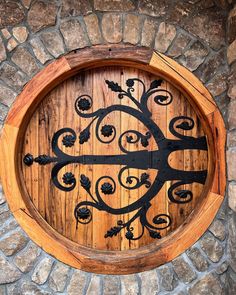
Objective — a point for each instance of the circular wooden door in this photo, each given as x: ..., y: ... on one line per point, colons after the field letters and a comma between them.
x: 115, y: 158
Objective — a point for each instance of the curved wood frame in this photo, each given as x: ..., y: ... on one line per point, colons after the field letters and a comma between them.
x: 112, y: 262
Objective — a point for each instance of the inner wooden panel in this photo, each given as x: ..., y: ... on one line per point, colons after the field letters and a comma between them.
x: 57, y: 111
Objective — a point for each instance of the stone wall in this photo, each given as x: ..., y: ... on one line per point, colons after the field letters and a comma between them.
x: 199, y: 34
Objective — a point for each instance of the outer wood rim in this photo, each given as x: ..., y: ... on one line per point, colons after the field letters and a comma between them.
x: 130, y: 261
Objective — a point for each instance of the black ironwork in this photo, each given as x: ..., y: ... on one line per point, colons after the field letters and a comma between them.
x: 141, y: 159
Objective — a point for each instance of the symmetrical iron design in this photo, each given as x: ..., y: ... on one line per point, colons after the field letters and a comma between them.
x: 141, y: 159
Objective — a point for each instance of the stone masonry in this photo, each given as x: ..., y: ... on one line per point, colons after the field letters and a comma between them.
x: 199, y: 34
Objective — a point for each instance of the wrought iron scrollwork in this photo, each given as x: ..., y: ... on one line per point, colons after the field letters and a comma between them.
x: 141, y: 159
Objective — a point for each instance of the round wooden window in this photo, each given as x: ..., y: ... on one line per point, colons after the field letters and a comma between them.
x: 114, y: 159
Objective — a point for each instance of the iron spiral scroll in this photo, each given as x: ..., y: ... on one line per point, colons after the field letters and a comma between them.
x: 141, y: 159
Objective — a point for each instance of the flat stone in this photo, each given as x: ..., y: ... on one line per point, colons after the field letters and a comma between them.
x: 154, y: 7
x: 7, y: 96
x: 29, y: 288
x: 231, y: 167
x: 13, y: 243
x: 93, y: 29
x: 73, y: 34
x: 8, y: 224
x: 46, y: 17
x: 25, y: 61
x: 232, y: 193
x: 11, y: 13
x: 211, y: 247
x: 132, y: 29
x: 58, y: 277
x: 42, y: 270
x: 149, y: 282
x: 20, y: 33
x: 111, y: 285
x: 25, y: 259
x: 2, y: 290
x: 148, y: 32
x: 232, y: 242
x: 3, y: 112
x: 232, y: 83
x: 231, y: 115
x: 178, y: 45
x: 3, y: 54
x: 218, y: 84
x: 129, y: 285
x: 6, y: 33
x: 209, y: 284
x: 53, y: 42
x: 11, y: 76
x: 197, y: 259
x: 12, y: 43
x: 231, y: 286
x: 75, y: 8
x: 231, y: 52
x: 10, y: 273
x: 77, y: 283
x: 209, y: 26
x: 194, y: 56
x: 26, y: 3
x: 231, y: 139
x: 167, y: 279
x: 183, y: 270
x: 39, y: 51
x: 217, y: 228
x: 112, y: 27
x: 232, y: 25
x: 211, y: 66
x: 2, y: 100
x: 114, y: 5
x: 164, y: 37
x: 222, y: 268
x: 94, y: 285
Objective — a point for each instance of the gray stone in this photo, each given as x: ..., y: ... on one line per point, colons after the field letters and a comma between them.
x: 58, y: 277
x: 29, y: 288
x: 232, y: 194
x: 93, y: 29
x: 183, y: 270
x: 232, y: 25
x: 111, y: 285
x: 218, y: 84
x: 231, y: 114
x: 149, y: 282
x: 232, y: 242
x: 148, y: 32
x: 7, y: 96
x: 26, y: 259
x: 12, y: 43
x: 77, y: 283
x: 112, y: 27
x: 11, y: 76
x: 208, y: 285
x: 10, y: 273
x: 167, y: 279
x: 211, y: 66
x: 94, y: 285
x: 231, y: 52
x: 42, y: 270
x: 25, y: 61
x: 231, y: 139
x: 217, y: 228
x: 178, y: 45
x: 164, y: 37
x: 222, y: 268
x: 13, y: 243
x: 114, y: 5
x: 3, y: 55
x: 75, y: 8
x: 40, y: 51
x: 11, y: 13
x: 194, y: 56
x: 129, y: 285
x: 154, y: 7
x: 132, y: 28
x: 26, y: 3
x: 232, y: 82
x: 73, y: 34
x: 2, y: 196
x: 53, y: 42
x: 7, y: 224
x: 2, y: 290
x: 209, y: 26
x: 46, y: 17
x: 197, y: 259
x: 20, y: 33
x: 6, y: 33
x: 231, y: 282
x: 211, y: 247
x: 231, y: 160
